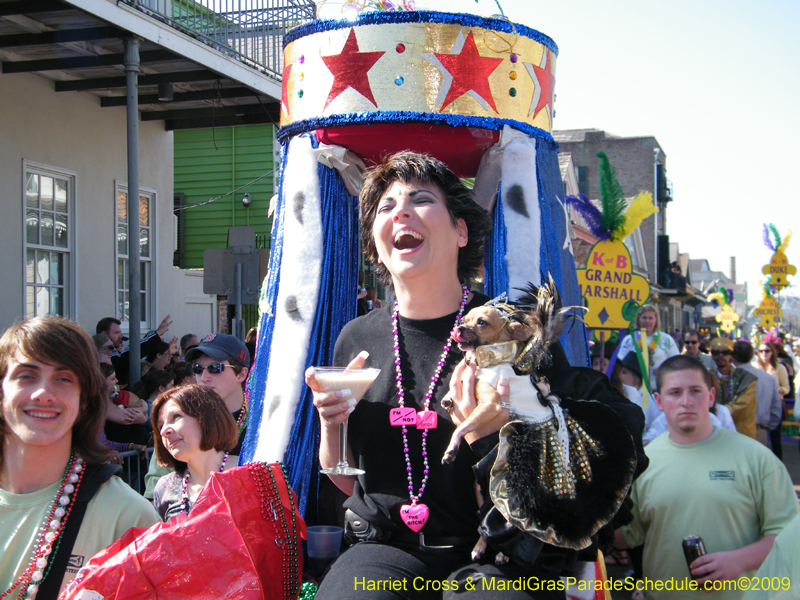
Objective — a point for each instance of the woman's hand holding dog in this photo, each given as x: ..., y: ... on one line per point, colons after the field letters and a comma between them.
x: 462, y: 394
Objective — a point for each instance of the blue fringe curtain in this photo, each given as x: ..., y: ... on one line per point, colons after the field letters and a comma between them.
x: 495, y: 270
x: 336, y: 306
x: 556, y: 260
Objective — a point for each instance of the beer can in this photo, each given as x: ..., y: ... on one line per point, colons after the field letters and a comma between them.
x: 693, y: 548
x: 369, y: 304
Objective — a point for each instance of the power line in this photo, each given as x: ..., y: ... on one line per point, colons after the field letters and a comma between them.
x: 210, y: 200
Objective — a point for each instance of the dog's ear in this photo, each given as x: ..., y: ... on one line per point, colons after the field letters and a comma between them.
x: 519, y: 331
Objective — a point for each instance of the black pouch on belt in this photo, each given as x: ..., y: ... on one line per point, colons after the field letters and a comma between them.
x: 357, y: 529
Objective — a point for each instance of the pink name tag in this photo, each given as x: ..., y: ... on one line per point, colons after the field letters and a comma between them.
x: 427, y: 419
x: 402, y: 416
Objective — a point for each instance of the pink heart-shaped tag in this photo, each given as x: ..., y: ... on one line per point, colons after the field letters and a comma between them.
x: 414, y: 515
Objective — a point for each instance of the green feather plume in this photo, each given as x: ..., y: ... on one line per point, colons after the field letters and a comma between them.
x: 611, y: 197
x: 775, y: 234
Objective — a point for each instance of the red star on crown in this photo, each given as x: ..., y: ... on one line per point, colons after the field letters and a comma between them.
x: 544, y: 79
x: 349, y: 69
x: 287, y: 70
x: 470, y: 72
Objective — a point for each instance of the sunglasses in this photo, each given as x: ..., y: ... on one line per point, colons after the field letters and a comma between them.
x: 721, y: 352
x: 213, y: 368
x: 107, y: 348
x: 764, y: 351
x: 690, y: 342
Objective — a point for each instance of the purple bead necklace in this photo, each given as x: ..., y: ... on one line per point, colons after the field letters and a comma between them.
x: 416, y: 514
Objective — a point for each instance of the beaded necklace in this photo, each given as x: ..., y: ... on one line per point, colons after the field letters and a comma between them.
x: 48, y: 537
x: 651, y: 347
x: 241, y: 422
x: 185, y: 492
x: 415, y: 515
x: 274, y: 508
x: 730, y: 384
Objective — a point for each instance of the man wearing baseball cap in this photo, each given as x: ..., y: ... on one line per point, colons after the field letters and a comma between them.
x: 737, y: 387
x: 222, y: 363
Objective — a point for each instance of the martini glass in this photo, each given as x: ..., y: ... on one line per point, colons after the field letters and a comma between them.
x: 332, y: 379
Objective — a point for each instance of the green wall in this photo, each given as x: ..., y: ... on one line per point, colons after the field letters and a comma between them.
x: 203, y: 171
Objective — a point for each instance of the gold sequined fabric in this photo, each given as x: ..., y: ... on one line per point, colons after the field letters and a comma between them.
x: 558, y: 474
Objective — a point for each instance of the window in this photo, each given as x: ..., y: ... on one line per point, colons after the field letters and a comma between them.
x: 49, y: 224
x: 583, y: 180
x: 146, y: 251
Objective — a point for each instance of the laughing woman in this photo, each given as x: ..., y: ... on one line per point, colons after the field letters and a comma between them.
x: 197, y: 432
x: 414, y: 518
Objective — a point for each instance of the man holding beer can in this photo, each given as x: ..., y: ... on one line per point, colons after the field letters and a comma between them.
x: 711, y: 502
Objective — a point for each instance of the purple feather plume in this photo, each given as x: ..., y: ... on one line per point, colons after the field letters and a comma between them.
x: 591, y: 214
x: 730, y: 295
x: 767, y: 240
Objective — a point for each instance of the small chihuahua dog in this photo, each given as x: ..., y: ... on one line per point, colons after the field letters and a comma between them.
x: 497, y: 330
x: 510, y: 339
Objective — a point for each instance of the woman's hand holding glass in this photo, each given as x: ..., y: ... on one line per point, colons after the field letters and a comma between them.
x: 337, y: 390
x: 334, y: 407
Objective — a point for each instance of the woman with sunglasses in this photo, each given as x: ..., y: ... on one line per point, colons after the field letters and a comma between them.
x: 767, y: 360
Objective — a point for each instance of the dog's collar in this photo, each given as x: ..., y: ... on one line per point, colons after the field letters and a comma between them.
x: 490, y: 355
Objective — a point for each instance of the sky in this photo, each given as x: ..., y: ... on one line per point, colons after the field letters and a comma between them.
x: 716, y: 82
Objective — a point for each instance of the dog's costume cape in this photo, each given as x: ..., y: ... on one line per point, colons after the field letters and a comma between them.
x: 475, y: 92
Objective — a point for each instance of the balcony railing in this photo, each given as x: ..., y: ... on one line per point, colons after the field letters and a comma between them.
x: 249, y: 30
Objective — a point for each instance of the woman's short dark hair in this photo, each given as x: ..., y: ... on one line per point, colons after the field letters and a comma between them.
x: 217, y: 427
x: 408, y: 167
x: 63, y: 343
x: 150, y: 383
x: 107, y: 369
x: 181, y: 371
x: 158, y: 347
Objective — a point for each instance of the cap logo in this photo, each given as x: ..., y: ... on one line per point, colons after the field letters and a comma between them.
x: 243, y: 356
x: 209, y: 337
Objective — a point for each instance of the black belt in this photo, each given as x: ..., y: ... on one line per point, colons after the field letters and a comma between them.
x: 420, y: 539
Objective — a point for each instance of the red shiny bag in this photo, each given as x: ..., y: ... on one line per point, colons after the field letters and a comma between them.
x: 241, y: 541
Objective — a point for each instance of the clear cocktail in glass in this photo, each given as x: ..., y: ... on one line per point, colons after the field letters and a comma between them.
x: 332, y: 379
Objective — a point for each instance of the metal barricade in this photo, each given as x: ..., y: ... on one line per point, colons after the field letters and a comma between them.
x: 132, y: 470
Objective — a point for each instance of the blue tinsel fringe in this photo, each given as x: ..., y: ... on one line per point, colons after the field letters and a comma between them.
x: 555, y: 260
x: 407, y: 116
x: 495, y: 277
x: 420, y: 16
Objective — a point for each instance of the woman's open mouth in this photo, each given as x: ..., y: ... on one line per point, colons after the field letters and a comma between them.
x: 407, y: 239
